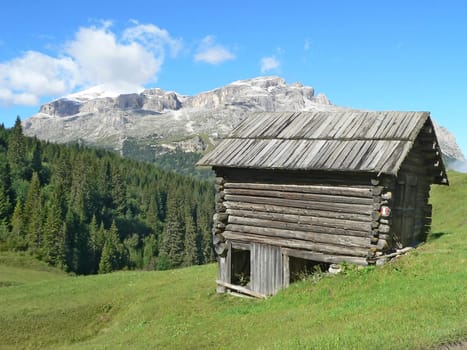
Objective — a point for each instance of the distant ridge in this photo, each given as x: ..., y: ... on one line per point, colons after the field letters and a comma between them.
x: 156, y: 122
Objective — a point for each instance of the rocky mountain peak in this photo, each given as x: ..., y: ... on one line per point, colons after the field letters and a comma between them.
x: 166, y: 120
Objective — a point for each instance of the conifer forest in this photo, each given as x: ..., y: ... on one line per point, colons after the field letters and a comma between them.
x: 91, y: 211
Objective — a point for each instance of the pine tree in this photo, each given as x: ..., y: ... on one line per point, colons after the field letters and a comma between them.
x: 114, y: 255
x: 33, y: 215
x: 18, y: 232
x: 191, y: 245
x: 149, y: 252
x: 54, y: 236
x: 5, y: 191
x: 118, y: 193
x: 5, y: 205
x: 17, y: 151
x: 171, y: 251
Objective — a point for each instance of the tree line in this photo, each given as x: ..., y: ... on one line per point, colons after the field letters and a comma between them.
x: 91, y: 211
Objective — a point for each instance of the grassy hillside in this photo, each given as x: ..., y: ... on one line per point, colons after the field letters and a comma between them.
x: 417, y: 302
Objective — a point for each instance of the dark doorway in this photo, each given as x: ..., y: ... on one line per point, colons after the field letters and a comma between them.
x: 240, y: 272
x: 301, y: 268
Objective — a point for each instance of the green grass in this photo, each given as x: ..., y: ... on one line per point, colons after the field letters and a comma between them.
x: 418, y: 301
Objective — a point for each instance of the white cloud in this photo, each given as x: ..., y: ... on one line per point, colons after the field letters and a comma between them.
x: 95, y: 56
x: 212, y: 53
x: 25, y: 79
x: 269, y: 63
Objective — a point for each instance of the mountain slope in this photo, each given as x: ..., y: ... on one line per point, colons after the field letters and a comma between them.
x: 154, y: 122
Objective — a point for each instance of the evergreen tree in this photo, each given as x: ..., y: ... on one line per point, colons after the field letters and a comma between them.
x: 5, y: 205
x: 33, y: 215
x: 118, y: 193
x: 5, y: 191
x: 18, y: 232
x: 17, y: 151
x: 149, y: 252
x: 113, y: 254
x: 171, y: 251
x: 36, y: 161
x: 54, y: 236
x: 191, y: 255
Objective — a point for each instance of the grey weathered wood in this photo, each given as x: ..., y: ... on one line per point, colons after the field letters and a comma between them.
x: 327, y: 223
x: 240, y: 289
x: 337, y: 207
x: 316, y: 189
x: 350, y: 241
x: 266, y: 268
x: 272, y: 208
x: 296, y: 243
x: 300, y: 196
x: 326, y: 258
x: 303, y: 227
x: 285, y: 269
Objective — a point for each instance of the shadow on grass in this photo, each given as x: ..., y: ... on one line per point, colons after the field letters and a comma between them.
x: 435, y: 235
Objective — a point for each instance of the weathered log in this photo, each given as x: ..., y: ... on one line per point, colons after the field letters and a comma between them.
x: 221, y: 217
x: 219, y: 180
x: 298, y: 244
x: 337, y: 207
x: 382, y: 244
x: 220, y: 207
x: 317, y: 189
x: 216, y: 231
x: 315, y: 237
x: 221, y: 248
x: 216, y: 239
x: 376, y: 190
x: 219, y: 225
x: 272, y: 208
x: 384, y: 236
x: 266, y: 223
x: 241, y: 289
x: 326, y: 258
x: 384, y: 228
x: 329, y: 223
x: 300, y: 196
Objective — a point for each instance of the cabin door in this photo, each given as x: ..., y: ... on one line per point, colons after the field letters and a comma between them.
x: 266, y: 268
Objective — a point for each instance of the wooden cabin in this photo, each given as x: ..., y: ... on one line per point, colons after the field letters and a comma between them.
x: 301, y: 189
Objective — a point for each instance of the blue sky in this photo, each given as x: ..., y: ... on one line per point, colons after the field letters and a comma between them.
x: 382, y: 55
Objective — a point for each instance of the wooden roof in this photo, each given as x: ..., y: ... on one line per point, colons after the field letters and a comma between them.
x: 345, y: 140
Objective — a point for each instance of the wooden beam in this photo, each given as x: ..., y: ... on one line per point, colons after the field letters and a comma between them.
x: 241, y: 289
x: 297, y: 244
x: 317, y: 189
x: 361, y: 228
x: 272, y: 207
x: 326, y: 258
x: 320, y: 197
x: 295, y: 203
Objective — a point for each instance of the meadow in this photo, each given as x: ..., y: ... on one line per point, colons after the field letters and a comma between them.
x: 418, y: 301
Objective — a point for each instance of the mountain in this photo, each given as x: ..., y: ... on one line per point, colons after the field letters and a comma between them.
x: 153, y: 123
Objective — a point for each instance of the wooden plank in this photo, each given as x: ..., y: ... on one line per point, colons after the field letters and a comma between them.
x: 270, y: 208
x: 299, y: 196
x: 337, y: 207
x: 326, y: 258
x: 317, y: 237
x: 350, y: 225
x: 241, y: 289
x: 264, y: 221
x: 296, y: 243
